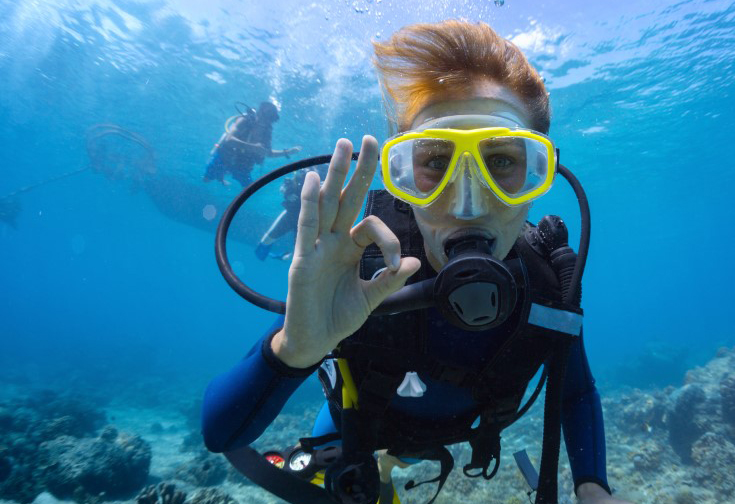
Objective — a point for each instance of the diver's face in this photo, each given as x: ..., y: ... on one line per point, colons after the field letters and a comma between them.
x: 448, y: 216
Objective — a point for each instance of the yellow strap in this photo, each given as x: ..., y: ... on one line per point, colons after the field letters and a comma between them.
x: 349, y: 390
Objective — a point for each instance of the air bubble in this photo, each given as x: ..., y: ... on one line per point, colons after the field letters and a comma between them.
x: 209, y: 212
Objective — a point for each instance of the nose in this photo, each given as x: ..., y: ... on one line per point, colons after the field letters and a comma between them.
x: 469, y: 198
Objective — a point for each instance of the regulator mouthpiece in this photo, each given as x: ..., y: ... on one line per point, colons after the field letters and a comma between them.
x: 474, y: 291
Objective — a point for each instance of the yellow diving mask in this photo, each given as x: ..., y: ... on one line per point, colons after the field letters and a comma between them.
x: 474, y: 152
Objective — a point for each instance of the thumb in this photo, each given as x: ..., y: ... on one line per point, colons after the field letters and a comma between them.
x: 388, y: 282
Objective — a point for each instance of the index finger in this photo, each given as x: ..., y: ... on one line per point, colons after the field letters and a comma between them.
x: 353, y: 195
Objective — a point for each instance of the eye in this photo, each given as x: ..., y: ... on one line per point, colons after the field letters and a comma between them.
x: 438, y: 163
x: 499, y: 162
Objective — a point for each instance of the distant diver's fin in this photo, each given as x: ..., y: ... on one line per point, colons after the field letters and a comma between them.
x: 262, y: 250
x: 526, y: 467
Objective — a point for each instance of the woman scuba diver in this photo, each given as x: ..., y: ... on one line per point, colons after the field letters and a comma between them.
x: 492, y: 298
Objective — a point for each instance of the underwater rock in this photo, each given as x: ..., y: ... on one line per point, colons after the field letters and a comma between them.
x: 703, y: 405
x: 684, y: 419
x: 109, y: 434
x: 727, y: 397
x: 62, y: 426
x: 163, y: 493
x: 714, y: 458
x: 211, y: 496
x: 648, y: 457
x: 642, y: 411
x: 206, y: 469
x: 116, y: 465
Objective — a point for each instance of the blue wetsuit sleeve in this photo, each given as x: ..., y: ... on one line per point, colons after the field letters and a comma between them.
x: 241, y: 403
x: 584, y: 429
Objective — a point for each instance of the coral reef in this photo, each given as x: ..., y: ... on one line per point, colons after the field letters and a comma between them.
x: 715, y: 461
x: 727, y: 395
x: 116, y: 464
x: 702, y: 405
x: 25, y: 424
x: 679, y: 441
x: 163, y: 493
x: 686, y: 419
x: 675, y: 444
x: 211, y: 496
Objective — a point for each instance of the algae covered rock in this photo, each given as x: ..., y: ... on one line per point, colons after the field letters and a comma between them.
x: 163, y: 493
x: 648, y: 457
x: 113, y: 464
x: 727, y: 397
x: 641, y: 411
x: 211, y: 496
x: 685, y: 420
x: 714, y: 457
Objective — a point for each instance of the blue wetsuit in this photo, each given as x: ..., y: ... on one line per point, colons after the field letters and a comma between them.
x: 241, y: 403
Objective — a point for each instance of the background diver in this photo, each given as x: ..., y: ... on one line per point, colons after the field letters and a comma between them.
x: 287, y: 220
x: 245, y: 142
x: 470, y: 156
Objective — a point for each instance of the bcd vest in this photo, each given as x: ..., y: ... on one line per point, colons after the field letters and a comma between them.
x: 387, y: 347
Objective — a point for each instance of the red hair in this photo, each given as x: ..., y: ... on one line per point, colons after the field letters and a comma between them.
x: 424, y: 63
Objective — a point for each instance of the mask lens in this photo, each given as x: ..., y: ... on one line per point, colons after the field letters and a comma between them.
x: 418, y: 166
x: 516, y: 165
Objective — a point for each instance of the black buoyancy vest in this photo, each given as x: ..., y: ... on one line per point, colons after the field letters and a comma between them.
x: 386, y: 347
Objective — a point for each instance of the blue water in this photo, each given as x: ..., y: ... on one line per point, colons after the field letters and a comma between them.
x: 100, y: 289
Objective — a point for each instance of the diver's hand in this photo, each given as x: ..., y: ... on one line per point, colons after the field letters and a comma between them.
x: 592, y: 493
x: 327, y: 300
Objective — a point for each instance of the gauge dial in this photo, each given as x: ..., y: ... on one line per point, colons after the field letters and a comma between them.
x: 275, y: 459
x: 299, y: 461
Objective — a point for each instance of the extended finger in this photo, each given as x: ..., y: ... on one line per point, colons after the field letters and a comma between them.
x: 308, y: 226
x: 330, y: 192
x: 373, y: 230
x: 354, y: 194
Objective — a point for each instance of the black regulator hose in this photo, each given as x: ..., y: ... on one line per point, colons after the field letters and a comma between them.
x: 220, y: 243
x: 570, y: 282
x: 584, y: 237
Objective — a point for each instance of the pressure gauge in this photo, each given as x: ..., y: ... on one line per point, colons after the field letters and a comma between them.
x: 299, y: 461
x: 275, y: 458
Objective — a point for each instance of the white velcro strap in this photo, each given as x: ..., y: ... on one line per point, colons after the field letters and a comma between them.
x: 556, y: 320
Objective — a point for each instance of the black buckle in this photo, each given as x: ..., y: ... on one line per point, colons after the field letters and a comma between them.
x: 485, y: 448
